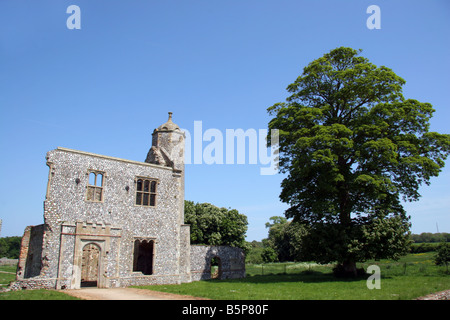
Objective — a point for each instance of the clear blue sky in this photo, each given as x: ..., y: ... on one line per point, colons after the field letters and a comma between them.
x: 105, y: 87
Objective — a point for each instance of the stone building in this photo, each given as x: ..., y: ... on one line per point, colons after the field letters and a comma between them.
x: 110, y: 222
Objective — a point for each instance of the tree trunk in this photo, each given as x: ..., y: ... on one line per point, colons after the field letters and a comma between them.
x: 349, y: 267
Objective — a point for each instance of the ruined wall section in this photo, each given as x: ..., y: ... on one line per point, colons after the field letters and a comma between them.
x: 30, y: 256
x: 232, y: 262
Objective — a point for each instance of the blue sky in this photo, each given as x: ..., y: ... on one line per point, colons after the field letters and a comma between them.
x: 105, y: 87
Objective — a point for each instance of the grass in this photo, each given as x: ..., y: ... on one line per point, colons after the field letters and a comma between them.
x: 9, y: 274
x: 412, y: 276
x: 40, y: 294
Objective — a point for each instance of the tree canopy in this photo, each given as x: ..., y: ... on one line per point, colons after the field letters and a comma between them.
x: 10, y: 247
x: 284, y: 242
x: 211, y: 225
x: 352, y: 147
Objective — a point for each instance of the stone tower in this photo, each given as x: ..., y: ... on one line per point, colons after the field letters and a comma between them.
x: 167, y: 146
x: 168, y: 150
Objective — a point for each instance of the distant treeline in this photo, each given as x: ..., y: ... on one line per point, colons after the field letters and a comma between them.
x: 424, y: 242
x: 10, y: 247
x: 424, y: 247
x: 428, y: 237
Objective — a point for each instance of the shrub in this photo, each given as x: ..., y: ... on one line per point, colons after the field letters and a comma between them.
x: 442, y: 256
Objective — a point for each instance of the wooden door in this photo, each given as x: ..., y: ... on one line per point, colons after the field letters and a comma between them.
x: 89, y: 265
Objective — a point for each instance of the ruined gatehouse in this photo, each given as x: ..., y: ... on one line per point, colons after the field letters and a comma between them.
x: 111, y: 222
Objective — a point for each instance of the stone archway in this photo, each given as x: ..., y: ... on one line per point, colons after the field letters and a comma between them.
x: 90, y: 265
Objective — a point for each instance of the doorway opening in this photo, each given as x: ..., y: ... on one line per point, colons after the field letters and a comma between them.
x: 216, y: 268
x: 143, y: 256
x: 89, y: 265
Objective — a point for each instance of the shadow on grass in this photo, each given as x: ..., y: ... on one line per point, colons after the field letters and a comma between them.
x: 307, y: 276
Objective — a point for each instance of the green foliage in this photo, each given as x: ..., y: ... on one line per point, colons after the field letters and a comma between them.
x: 352, y: 146
x: 212, y: 225
x: 284, y: 242
x: 10, y: 247
x: 431, y: 237
x: 269, y: 254
x: 443, y: 255
x: 423, y: 247
x: 254, y: 255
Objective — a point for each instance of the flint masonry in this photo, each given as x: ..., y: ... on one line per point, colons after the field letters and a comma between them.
x: 110, y: 222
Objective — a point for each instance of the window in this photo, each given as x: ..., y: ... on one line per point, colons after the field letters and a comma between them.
x: 95, y: 186
x: 146, y: 192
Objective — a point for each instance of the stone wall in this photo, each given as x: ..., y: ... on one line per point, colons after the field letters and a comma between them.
x: 232, y: 262
x: 8, y: 262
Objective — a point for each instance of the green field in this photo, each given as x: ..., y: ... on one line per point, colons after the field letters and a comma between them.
x: 7, y: 275
x: 412, y: 276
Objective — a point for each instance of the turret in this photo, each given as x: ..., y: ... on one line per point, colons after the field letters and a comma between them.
x: 167, y: 146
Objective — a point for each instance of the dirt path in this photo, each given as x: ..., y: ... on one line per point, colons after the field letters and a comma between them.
x: 125, y: 294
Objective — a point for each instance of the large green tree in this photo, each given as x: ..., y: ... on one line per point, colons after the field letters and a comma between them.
x: 352, y: 146
x: 212, y: 225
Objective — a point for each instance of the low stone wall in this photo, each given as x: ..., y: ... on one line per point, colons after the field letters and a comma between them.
x: 8, y: 262
x: 231, y: 265
x: 34, y: 283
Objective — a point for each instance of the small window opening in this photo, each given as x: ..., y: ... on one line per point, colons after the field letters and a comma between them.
x: 95, y: 187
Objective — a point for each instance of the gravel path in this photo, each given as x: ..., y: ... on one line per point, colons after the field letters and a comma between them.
x: 125, y: 294
x: 441, y: 295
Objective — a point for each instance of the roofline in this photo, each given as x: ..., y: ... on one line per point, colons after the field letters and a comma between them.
x: 114, y: 158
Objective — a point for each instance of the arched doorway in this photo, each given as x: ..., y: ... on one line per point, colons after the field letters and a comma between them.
x: 216, y: 268
x: 89, y: 265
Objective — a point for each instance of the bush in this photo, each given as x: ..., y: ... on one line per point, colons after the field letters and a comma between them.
x: 443, y: 255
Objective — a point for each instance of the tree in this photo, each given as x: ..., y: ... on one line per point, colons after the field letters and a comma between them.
x: 352, y: 146
x: 212, y: 225
x: 10, y: 247
x: 284, y: 242
x: 254, y: 255
x: 431, y: 237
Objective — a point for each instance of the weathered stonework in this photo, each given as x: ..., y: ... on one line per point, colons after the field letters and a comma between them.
x: 231, y: 262
x: 126, y: 228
